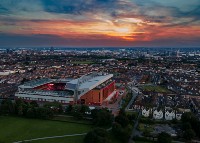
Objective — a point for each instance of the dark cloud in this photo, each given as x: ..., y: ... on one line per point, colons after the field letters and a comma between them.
x: 16, y: 40
x: 4, y: 10
x: 78, y: 6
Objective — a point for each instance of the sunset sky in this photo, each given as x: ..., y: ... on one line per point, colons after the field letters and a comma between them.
x: 100, y: 23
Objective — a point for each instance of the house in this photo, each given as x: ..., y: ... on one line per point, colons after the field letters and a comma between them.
x: 146, y: 112
x: 158, y: 114
x: 169, y: 115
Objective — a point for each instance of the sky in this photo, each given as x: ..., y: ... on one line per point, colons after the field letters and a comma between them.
x: 114, y: 23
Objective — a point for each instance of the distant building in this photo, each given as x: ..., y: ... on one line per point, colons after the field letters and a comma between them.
x: 52, y: 49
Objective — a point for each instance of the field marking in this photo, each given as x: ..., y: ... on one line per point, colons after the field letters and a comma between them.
x: 52, y: 137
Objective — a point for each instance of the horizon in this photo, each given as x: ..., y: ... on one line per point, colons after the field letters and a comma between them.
x: 100, y: 23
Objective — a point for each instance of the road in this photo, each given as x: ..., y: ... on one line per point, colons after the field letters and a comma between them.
x: 135, y: 92
x: 115, y: 107
x: 134, y: 128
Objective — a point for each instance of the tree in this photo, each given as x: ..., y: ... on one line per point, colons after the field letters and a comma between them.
x: 121, y: 133
x: 97, y: 136
x: 7, y: 107
x: 56, y: 107
x: 78, y: 115
x: 34, y: 104
x: 116, y: 129
x: 30, y: 113
x: 22, y: 107
x: 187, y: 117
x: 146, y: 133
x: 122, y: 120
x: 164, y: 138
x: 186, y: 126
x: 94, y: 113
x: 20, y: 110
x: 43, y: 113
x: 189, y: 134
x: 84, y: 108
x: 69, y: 108
x: 103, y: 117
x: 190, y: 118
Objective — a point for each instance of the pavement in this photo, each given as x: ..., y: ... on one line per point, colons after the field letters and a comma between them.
x: 115, y: 107
x: 52, y: 137
x: 135, y: 91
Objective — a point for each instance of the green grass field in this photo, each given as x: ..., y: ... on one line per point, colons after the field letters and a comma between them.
x: 143, y: 127
x: 155, y: 88
x: 17, y: 129
x: 72, y: 120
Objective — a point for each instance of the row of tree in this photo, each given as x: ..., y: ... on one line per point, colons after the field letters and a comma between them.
x: 100, y: 117
x: 25, y: 109
x: 122, y: 126
x: 190, y: 126
x: 97, y: 135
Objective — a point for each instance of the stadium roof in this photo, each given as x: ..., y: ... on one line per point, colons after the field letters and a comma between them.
x: 88, y: 82
x: 35, y: 83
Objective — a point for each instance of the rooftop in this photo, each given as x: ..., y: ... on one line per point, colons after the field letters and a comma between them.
x: 90, y: 81
x: 35, y: 83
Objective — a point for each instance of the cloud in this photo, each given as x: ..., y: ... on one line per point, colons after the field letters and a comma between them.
x: 78, y: 6
x: 124, y: 21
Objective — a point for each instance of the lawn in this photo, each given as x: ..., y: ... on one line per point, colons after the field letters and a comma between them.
x: 143, y: 127
x: 82, y: 62
x: 72, y: 120
x: 155, y: 88
x: 16, y: 129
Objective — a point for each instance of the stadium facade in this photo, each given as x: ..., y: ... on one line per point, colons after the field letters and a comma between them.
x: 90, y: 89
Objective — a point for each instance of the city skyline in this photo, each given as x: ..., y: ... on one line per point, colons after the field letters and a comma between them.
x: 91, y: 23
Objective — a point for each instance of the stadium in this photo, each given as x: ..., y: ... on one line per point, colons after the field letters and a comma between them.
x: 91, y: 89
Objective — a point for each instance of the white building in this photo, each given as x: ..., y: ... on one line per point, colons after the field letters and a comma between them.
x: 178, y: 115
x: 146, y: 112
x: 169, y: 115
x: 158, y: 114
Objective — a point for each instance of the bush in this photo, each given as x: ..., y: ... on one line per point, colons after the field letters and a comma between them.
x: 78, y: 115
x: 189, y: 134
x: 43, y: 113
x: 7, y: 107
x: 97, y: 136
x: 147, y: 121
x: 142, y: 139
x: 69, y: 109
x: 122, y: 120
x: 30, y: 113
x: 121, y: 133
x: 102, y: 117
x: 56, y: 107
x: 164, y: 138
